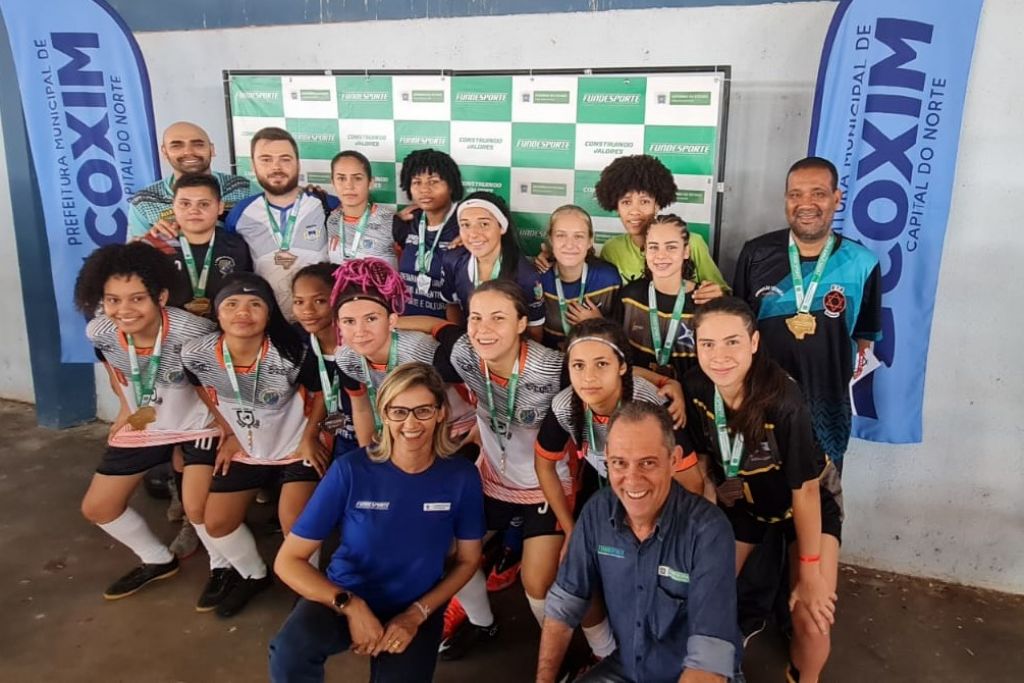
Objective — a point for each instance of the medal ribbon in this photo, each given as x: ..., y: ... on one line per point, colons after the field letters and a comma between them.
x: 563, y: 306
x: 804, y: 300
x: 663, y: 351
x: 283, y: 238
x: 197, y: 279
x: 144, y: 386
x: 372, y: 390
x: 495, y: 270
x: 592, y: 443
x: 331, y: 388
x: 357, y: 238
x: 510, y: 406
x: 230, y: 367
x: 425, y: 258
x: 732, y: 452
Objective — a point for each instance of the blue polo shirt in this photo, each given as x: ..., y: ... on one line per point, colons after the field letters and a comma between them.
x: 672, y: 598
x: 396, y: 528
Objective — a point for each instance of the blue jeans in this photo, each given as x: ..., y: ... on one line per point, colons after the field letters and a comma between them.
x: 609, y: 670
x: 313, y: 632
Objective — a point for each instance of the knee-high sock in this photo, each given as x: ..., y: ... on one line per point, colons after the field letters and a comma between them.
x: 131, y: 529
x: 217, y: 560
x: 473, y: 597
x: 240, y: 548
x: 537, y: 607
x: 600, y: 638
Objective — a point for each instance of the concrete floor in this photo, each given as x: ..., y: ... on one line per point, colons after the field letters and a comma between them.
x: 56, y: 627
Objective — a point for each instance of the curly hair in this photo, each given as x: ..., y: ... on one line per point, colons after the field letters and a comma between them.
x: 636, y: 173
x: 122, y: 260
x: 431, y: 161
x: 689, y: 268
x: 614, y: 333
x: 373, y: 277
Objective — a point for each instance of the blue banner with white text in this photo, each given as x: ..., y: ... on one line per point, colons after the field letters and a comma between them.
x: 89, y: 115
x: 887, y: 111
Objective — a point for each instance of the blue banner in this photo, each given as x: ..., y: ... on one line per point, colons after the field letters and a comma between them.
x: 887, y: 111
x: 89, y: 115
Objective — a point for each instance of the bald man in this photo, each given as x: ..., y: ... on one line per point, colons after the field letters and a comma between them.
x: 187, y: 148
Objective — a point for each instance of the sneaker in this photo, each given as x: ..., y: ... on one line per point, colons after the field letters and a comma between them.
x: 750, y: 628
x: 504, y: 572
x: 454, y: 617
x: 241, y: 593
x: 465, y: 638
x: 133, y: 581
x: 217, y: 587
x: 186, y: 543
x: 792, y: 673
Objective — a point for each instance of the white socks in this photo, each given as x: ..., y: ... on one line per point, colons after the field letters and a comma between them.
x: 239, y: 547
x: 537, y: 607
x: 217, y: 561
x: 473, y: 597
x: 131, y: 530
x: 600, y: 638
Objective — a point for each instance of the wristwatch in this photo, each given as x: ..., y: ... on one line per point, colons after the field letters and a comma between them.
x: 341, y: 600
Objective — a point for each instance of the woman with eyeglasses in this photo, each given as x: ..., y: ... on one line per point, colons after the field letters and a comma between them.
x: 399, y: 505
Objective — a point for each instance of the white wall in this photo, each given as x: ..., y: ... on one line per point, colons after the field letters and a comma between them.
x: 947, y: 508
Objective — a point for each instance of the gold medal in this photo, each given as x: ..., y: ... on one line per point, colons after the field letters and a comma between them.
x: 198, y: 306
x: 285, y: 259
x: 142, y: 417
x: 802, y: 325
x: 730, y: 491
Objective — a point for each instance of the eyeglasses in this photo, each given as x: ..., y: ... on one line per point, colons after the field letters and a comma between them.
x: 400, y: 414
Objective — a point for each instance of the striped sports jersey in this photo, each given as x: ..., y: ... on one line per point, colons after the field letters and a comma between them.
x: 377, y: 239
x: 155, y: 202
x: 270, y: 420
x: 412, y: 347
x: 602, y: 285
x: 250, y: 219
x: 180, y: 414
x: 560, y: 428
x: 512, y: 477
x: 633, y: 313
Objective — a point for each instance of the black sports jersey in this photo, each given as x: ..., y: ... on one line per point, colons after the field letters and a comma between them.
x: 406, y: 235
x: 600, y: 290
x: 787, y: 458
x: 230, y: 255
x: 633, y: 312
x: 847, y: 306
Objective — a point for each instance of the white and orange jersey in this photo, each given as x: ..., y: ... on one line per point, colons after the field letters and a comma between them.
x: 180, y: 414
x: 276, y: 400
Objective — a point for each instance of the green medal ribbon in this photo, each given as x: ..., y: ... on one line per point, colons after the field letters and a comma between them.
x: 358, y: 237
x: 804, y: 300
x: 144, y: 385
x: 229, y: 365
x: 372, y: 390
x: 510, y: 407
x: 594, y: 445
x: 331, y: 388
x: 663, y: 351
x: 283, y: 238
x: 563, y: 305
x: 495, y: 270
x: 198, y: 279
x: 732, y: 452
x: 423, y: 257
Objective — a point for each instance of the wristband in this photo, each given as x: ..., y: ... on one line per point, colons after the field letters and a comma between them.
x: 810, y: 559
x: 422, y: 608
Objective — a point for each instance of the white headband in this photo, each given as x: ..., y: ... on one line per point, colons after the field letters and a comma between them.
x: 490, y: 207
x: 602, y: 340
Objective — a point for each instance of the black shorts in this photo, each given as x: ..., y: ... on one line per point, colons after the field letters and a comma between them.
x: 123, y: 462
x: 750, y: 529
x: 244, y: 477
x: 500, y: 513
x: 199, y: 456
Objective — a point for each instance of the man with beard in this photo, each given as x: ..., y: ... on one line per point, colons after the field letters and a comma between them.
x: 187, y: 148
x: 285, y: 225
x: 818, y: 297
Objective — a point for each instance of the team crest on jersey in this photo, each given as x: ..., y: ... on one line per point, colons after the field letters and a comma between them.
x: 528, y: 416
x: 834, y: 302
x: 312, y: 233
x: 225, y: 264
x: 538, y: 291
x: 246, y: 418
x: 270, y: 398
x: 176, y: 377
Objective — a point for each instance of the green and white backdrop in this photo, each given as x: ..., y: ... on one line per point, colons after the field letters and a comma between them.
x: 537, y: 139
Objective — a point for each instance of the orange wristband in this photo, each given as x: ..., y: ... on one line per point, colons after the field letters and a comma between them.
x: 810, y: 559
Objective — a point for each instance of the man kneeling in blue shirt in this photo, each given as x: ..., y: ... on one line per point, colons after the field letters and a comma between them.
x: 667, y: 558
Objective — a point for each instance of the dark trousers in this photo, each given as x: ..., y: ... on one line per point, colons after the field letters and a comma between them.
x: 313, y: 632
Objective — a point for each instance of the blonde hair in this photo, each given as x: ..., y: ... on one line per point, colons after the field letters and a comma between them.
x: 400, y: 380
x: 573, y: 209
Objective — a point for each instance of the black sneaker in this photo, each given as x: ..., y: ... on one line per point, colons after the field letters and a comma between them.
x: 465, y: 638
x: 241, y: 593
x: 217, y: 587
x: 751, y: 627
x: 133, y: 581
